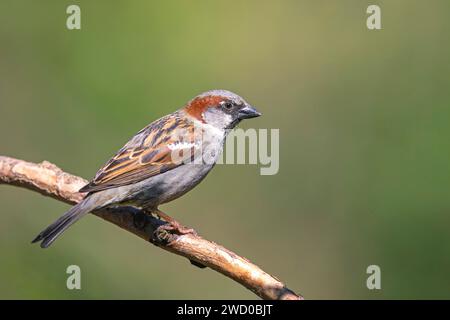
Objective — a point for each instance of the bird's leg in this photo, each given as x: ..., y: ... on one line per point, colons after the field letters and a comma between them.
x: 172, y: 224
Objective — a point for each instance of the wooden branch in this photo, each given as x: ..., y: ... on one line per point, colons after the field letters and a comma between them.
x: 49, y: 180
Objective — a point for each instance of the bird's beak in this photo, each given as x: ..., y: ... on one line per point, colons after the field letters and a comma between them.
x: 248, y: 112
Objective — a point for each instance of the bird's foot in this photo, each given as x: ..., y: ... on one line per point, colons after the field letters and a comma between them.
x: 177, y: 228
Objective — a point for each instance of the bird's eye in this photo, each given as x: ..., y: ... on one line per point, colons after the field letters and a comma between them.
x: 227, y: 106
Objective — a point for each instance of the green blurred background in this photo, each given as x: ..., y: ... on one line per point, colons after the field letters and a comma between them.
x: 364, y: 131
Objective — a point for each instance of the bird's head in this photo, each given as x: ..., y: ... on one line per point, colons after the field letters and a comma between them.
x: 220, y: 108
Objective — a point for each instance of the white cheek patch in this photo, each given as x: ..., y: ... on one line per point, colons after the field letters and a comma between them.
x: 228, y: 119
x: 217, y: 119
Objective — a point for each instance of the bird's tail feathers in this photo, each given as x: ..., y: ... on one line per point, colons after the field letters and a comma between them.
x: 53, y: 231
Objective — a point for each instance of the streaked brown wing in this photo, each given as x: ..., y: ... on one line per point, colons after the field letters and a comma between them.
x: 147, y: 154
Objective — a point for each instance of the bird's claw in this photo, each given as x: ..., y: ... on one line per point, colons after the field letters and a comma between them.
x: 175, y: 227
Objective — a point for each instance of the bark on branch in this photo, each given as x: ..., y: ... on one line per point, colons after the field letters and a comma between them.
x: 49, y: 180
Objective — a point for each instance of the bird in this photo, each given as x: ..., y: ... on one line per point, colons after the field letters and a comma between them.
x: 162, y: 162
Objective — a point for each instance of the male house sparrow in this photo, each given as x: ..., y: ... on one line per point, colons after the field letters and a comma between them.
x: 161, y: 162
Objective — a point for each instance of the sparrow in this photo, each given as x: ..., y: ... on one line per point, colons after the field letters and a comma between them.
x: 161, y: 162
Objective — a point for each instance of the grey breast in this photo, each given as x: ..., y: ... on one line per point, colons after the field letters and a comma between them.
x: 170, y: 185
